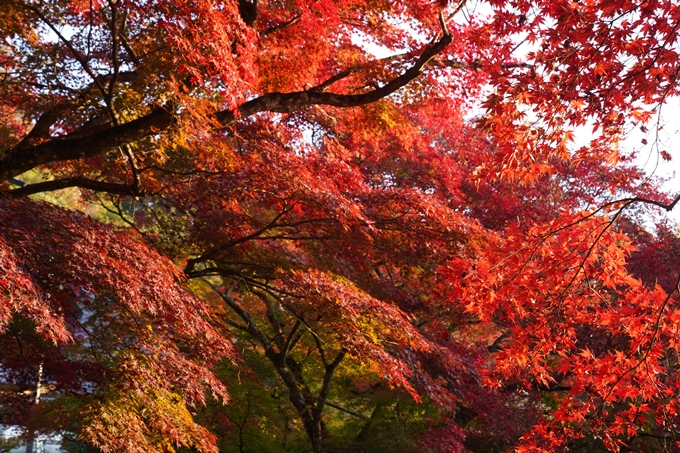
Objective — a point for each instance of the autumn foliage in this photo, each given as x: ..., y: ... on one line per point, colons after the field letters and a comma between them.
x: 337, y: 225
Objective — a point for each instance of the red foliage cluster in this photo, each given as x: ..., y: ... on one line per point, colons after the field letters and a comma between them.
x: 336, y: 214
x: 118, y: 318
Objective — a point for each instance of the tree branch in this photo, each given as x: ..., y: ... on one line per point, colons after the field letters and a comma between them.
x: 281, y: 26
x: 191, y: 264
x: 83, y: 183
x: 21, y: 160
x: 271, y: 317
x: 18, y: 161
x: 347, y: 411
x: 289, y: 102
x: 291, y: 340
x: 41, y: 129
x: 668, y: 207
x: 496, y: 345
x: 251, y: 326
x: 325, y: 388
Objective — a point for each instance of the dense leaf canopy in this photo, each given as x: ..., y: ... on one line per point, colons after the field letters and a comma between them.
x: 341, y: 225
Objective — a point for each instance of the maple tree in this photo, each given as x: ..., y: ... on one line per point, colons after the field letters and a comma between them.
x: 288, y: 204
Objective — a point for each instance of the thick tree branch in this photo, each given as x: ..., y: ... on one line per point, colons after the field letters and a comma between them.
x: 83, y: 183
x: 290, y: 102
x: 249, y: 11
x: 41, y: 129
x: 353, y: 69
x: 19, y: 161
x: 273, y: 321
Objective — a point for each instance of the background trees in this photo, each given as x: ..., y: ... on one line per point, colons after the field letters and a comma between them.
x: 321, y: 232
